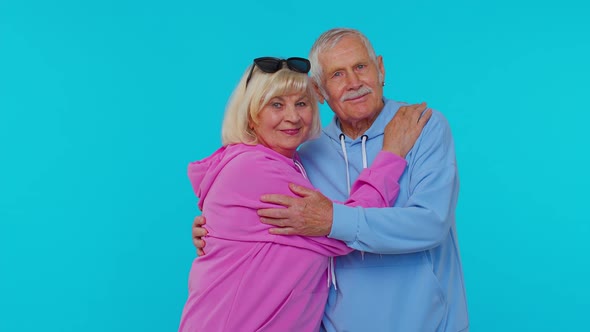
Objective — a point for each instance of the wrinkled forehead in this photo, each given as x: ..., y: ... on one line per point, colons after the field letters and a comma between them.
x: 348, y: 50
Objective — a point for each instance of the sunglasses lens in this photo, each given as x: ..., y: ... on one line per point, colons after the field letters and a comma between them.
x: 272, y: 65
x: 299, y: 65
x: 268, y: 65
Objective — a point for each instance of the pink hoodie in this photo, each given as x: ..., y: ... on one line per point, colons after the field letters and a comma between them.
x: 251, y: 280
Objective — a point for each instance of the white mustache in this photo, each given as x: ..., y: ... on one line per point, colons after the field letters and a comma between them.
x: 364, y: 90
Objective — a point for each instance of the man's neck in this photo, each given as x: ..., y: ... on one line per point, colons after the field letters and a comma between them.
x: 358, y: 128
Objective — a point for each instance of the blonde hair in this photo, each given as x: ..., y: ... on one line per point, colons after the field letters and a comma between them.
x: 246, y: 102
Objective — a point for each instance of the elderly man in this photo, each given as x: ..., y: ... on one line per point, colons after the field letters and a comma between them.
x: 406, y: 273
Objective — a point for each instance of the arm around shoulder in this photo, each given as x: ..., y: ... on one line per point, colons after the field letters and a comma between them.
x: 422, y: 221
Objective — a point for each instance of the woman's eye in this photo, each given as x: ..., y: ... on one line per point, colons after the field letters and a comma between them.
x: 277, y: 105
x: 301, y: 104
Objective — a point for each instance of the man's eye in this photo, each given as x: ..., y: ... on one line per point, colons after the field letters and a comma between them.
x: 337, y: 74
x: 360, y: 66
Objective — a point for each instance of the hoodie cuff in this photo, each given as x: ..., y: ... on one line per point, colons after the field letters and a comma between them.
x: 344, y: 223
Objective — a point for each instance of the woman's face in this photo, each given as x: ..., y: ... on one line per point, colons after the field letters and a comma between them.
x: 284, y: 123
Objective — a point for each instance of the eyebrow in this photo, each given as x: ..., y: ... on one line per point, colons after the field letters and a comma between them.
x: 335, y: 70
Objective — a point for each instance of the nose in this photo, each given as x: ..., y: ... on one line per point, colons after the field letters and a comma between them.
x: 353, y: 81
x: 291, y: 114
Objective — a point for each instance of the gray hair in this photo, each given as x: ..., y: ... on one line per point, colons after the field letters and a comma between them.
x: 327, y: 41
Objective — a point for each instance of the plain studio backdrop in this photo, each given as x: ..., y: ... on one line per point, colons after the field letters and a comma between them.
x: 103, y: 104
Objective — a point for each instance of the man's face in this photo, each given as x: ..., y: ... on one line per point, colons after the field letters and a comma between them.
x: 351, y: 80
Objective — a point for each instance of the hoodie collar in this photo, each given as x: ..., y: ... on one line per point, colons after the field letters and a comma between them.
x: 377, y: 128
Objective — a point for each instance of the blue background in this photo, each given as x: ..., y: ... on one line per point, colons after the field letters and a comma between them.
x: 103, y: 104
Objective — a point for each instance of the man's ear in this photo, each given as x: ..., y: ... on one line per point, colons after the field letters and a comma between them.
x: 318, y: 92
x: 381, y: 68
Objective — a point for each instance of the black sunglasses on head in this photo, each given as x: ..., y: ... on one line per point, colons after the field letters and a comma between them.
x: 272, y: 65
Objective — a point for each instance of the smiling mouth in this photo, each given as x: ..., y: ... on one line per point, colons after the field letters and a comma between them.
x: 291, y: 131
x: 355, y: 98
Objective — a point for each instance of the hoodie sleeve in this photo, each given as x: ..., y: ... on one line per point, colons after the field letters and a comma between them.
x: 378, y: 186
x: 236, y: 198
x: 426, y: 218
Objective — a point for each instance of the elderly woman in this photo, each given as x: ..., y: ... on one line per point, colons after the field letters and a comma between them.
x: 251, y: 280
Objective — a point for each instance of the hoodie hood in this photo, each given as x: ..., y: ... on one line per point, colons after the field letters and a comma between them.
x: 334, y: 132
x: 333, y: 128
x: 202, y: 173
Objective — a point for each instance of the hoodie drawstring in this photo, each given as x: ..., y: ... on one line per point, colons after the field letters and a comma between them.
x: 301, y: 169
x: 364, y: 152
x: 331, y: 273
x: 364, y: 149
x: 364, y: 139
x: 346, y: 161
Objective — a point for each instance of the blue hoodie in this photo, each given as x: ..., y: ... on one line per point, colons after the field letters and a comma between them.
x: 406, y: 273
